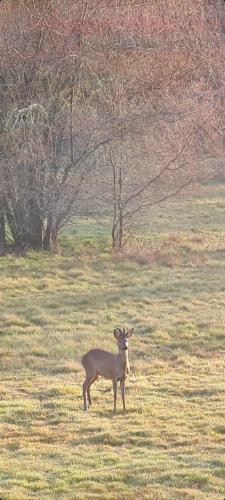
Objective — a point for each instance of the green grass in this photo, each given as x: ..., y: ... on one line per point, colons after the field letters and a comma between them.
x: 170, y: 444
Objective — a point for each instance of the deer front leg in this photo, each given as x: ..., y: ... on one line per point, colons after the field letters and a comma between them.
x: 85, y: 385
x: 122, y: 387
x: 115, y: 393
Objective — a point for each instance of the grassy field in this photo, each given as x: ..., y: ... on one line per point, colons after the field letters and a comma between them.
x: 170, y: 444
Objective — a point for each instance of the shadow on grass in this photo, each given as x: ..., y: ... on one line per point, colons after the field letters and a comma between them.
x: 113, y: 415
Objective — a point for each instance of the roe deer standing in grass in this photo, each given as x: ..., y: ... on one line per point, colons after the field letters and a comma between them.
x: 98, y: 363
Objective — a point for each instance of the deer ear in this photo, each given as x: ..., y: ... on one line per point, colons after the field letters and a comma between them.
x: 130, y: 333
x: 116, y: 333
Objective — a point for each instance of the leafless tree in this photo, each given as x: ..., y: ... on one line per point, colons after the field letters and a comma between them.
x: 53, y: 122
x: 169, y: 56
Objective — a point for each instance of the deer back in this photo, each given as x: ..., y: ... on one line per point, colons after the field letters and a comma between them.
x: 103, y: 363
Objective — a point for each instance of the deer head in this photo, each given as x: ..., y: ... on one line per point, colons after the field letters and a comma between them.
x: 122, y: 336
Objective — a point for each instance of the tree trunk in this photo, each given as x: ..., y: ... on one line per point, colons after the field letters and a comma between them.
x: 118, y: 220
x: 11, y: 221
x: 35, y: 235
x: 25, y: 223
x: 54, y: 241
x: 113, y: 238
x: 120, y: 235
x: 2, y: 230
x: 50, y: 241
x: 118, y: 231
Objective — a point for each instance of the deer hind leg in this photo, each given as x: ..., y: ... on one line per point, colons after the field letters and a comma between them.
x: 85, y: 386
x: 122, y: 387
x: 88, y: 389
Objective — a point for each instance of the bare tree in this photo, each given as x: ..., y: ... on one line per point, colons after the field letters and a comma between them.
x: 53, y: 123
x: 165, y: 54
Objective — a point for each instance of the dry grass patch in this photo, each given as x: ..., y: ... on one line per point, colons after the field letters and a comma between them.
x: 171, y: 442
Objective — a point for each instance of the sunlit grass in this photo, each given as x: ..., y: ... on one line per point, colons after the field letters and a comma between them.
x: 170, y: 444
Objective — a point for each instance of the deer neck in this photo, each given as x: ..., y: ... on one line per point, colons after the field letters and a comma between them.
x: 124, y: 360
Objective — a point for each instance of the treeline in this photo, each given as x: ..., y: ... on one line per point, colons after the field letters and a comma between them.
x: 121, y: 102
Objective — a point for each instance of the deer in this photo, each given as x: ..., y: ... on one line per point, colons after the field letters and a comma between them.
x: 99, y: 363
